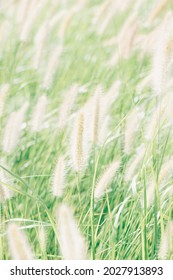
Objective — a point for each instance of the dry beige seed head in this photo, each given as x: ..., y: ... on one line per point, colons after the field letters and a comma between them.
x: 125, y: 47
x: 166, y: 242
x: 79, y: 145
x: 39, y: 113
x: 132, y: 123
x: 58, y: 178
x: 56, y: 18
x: 52, y: 67
x: 42, y: 237
x: 157, y: 10
x: 134, y: 163
x: 67, y: 105
x: 113, y: 92
x: 80, y: 5
x: 13, y: 128
x: 22, y: 11
x: 72, y: 243
x: 27, y: 26
x: 65, y: 24
x: 155, y: 120
x: 165, y: 171
x: 19, y: 247
x: 145, y: 82
x: 101, y: 11
x: 3, y: 93
x: 163, y: 57
x: 95, y: 119
x: 40, y: 41
x: 96, y: 110
x: 105, y: 180
x: 5, y: 192
x: 104, y: 24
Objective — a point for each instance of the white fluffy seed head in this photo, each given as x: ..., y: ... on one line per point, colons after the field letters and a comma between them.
x: 22, y: 11
x: 125, y: 47
x: 39, y: 113
x: 5, y: 192
x: 96, y: 110
x: 163, y: 57
x: 105, y: 180
x: 52, y: 67
x: 40, y: 41
x: 106, y: 21
x: 155, y: 121
x: 58, y: 183
x: 165, y: 170
x: 100, y: 12
x: 67, y: 105
x: 27, y: 26
x: 95, y: 119
x: 13, y: 128
x: 42, y: 236
x: 72, y: 243
x: 150, y: 194
x: 132, y: 123
x: 134, y: 163
x: 166, y: 242
x: 156, y: 11
x: 3, y: 93
x: 19, y: 247
x: 79, y: 144
x: 164, y: 173
x: 113, y: 92
x: 65, y: 24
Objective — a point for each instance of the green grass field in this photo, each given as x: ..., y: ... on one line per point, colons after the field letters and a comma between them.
x: 104, y: 76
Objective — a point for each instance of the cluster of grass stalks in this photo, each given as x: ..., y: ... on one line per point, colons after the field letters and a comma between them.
x: 86, y: 118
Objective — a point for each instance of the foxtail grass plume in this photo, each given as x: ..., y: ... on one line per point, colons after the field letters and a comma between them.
x: 163, y: 57
x: 22, y: 11
x: 13, y: 129
x: 104, y: 24
x: 52, y: 67
x: 58, y: 183
x: 34, y: 9
x: 3, y: 93
x: 101, y: 11
x: 165, y: 170
x: 65, y: 24
x: 113, y: 92
x: 79, y: 143
x: 67, y: 104
x: 5, y: 192
x: 145, y: 82
x: 129, y: 31
x: 108, y: 99
x: 19, y: 247
x: 40, y: 41
x: 42, y: 237
x: 105, y: 180
x: 72, y: 243
x: 39, y: 113
x: 132, y: 123
x: 157, y: 10
x: 95, y: 119
x: 95, y: 114
x: 56, y: 19
x: 166, y: 243
x: 155, y: 121
x: 135, y: 163
x: 80, y: 5
x: 164, y: 173
x: 122, y: 205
